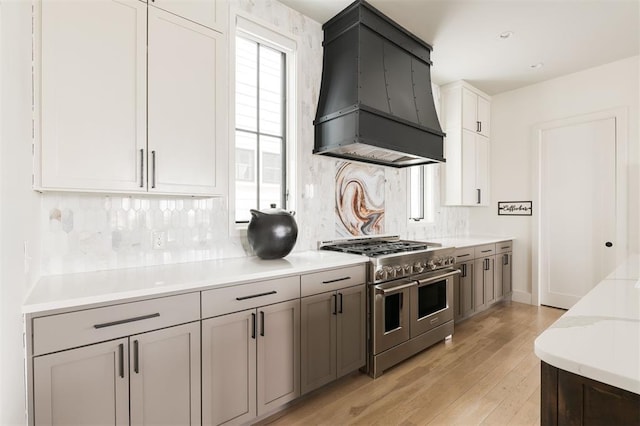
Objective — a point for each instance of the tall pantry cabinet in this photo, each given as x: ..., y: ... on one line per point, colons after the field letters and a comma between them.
x: 130, y: 97
x: 466, y: 121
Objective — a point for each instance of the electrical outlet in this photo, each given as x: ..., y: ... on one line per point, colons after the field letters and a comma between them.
x: 159, y: 240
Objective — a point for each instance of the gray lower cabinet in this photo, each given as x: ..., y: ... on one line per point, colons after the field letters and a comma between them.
x: 463, y: 291
x: 333, y: 335
x: 483, y: 282
x: 503, y: 274
x: 250, y: 362
x: 154, y: 377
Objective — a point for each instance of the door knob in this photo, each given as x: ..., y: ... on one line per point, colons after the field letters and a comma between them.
x: 608, y: 244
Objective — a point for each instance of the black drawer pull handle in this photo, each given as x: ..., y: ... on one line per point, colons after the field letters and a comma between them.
x: 256, y: 295
x: 124, y: 321
x: 336, y: 280
x: 464, y: 255
x: 505, y: 247
x: 485, y: 251
x: 121, y: 359
x: 136, y: 361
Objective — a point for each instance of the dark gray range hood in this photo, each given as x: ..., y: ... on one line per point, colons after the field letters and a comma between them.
x: 376, y: 103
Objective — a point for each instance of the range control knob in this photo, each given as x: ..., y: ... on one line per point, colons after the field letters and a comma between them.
x: 418, y: 267
x: 431, y: 264
x: 452, y: 260
x: 388, y: 272
x: 399, y: 271
x: 407, y: 268
x: 380, y: 275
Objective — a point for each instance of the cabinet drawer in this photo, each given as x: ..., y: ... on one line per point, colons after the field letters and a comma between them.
x: 464, y: 254
x: 64, y: 331
x: 484, y: 250
x: 504, y: 247
x: 225, y: 300
x: 320, y: 282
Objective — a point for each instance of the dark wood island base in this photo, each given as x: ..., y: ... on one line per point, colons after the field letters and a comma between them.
x: 570, y: 399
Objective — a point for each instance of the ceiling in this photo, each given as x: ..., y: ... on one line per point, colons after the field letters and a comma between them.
x: 565, y: 36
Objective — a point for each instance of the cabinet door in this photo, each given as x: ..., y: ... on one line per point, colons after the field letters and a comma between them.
x: 498, y: 286
x: 92, y: 124
x: 507, y: 273
x: 484, y: 116
x: 489, y: 279
x: 479, y: 266
x: 278, y: 373
x: 464, y: 300
x: 468, y: 169
x: 88, y: 385
x: 210, y: 13
x: 482, y: 170
x: 318, y: 315
x: 165, y: 376
x: 469, y: 110
x: 229, y: 368
x: 352, y: 317
x: 186, y: 106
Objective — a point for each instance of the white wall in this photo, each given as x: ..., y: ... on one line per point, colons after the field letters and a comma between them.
x: 19, y: 205
x: 515, y: 113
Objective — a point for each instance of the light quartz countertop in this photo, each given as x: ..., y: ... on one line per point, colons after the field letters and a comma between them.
x: 469, y: 241
x: 599, y: 337
x: 67, y: 291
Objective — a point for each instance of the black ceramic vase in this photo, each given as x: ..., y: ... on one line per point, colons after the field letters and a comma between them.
x: 272, y: 233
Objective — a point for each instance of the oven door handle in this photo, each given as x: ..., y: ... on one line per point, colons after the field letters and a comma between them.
x: 385, y: 291
x: 439, y: 277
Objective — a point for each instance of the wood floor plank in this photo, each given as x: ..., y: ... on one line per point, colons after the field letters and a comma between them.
x: 486, y: 374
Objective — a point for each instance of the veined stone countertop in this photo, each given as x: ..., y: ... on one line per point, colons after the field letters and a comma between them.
x: 599, y: 337
x: 469, y: 241
x: 85, y: 289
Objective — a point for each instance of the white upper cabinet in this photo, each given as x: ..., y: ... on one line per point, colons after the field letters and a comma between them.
x: 466, y: 118
x: 210, y: 13
x: 475, y: 112
x: 131, y: 98
x: 187, y: 113
x: 92, y: 97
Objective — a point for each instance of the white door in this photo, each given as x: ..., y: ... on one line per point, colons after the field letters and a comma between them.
x: 187, y: 121
x: 93, y: 94
x: 577, y: 209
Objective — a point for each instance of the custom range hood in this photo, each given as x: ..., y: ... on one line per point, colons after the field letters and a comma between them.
x: 376, y: 103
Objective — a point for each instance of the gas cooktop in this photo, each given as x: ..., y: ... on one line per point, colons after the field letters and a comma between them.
x: 373, y: 247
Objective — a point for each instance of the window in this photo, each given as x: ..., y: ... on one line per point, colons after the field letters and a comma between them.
x: 422, y: 193
x: 261, y: 126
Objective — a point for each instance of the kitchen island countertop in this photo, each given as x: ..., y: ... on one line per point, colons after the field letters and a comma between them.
x: 86, y: 289
x: 599, y: 337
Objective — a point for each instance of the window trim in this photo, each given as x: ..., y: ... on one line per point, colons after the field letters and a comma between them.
x: 267, y: 34
x: 429, y: 194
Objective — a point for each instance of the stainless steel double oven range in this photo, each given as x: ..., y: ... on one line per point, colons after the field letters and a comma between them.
x: 410, y: 296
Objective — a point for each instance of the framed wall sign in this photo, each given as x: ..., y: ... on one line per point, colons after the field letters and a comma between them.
x: 515, y: 208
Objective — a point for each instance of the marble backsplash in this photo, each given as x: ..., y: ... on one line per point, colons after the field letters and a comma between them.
x: 89, y: 232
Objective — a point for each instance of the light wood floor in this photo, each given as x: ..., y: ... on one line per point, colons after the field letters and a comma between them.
x: 486, y: 374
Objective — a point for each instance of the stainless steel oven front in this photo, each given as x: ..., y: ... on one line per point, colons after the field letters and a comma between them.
x: 391, y: 314
x: 432, y: 300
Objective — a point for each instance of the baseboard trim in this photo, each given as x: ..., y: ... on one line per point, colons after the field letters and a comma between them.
x: 521, y: 297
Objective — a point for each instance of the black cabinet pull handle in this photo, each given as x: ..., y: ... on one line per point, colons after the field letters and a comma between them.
x: 608, y: 244
x: 262, y: 321
x: 336, y: 280
x: 335, y: 304
x: 464, y: 255
x: 479, y: 195
x: 121, y: 359
x: 340, y: 311
x: 253, y: 326
x: 153, y: 169
x: 136, y: 365
x: 256, y: 295
x: 124, y: 321
x: 464, y: 270
x: 486, y: 251
x: 505, y: 259
x: 141, y: 168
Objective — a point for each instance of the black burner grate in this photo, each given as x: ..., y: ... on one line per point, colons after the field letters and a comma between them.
x: 374, y: 248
